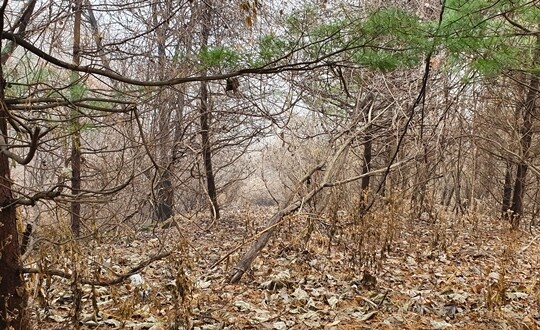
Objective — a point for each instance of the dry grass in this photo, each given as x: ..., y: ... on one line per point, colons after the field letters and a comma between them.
x: 385, y: 270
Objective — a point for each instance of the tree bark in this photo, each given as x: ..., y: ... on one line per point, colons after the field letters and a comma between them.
x: 164, y: 197
x: 527, y: 114
x: 507, y: 191
x: 364, y: 185
x: 76, y: 135
x: 205, y: 111
x: 458, y: 206
x: 13, y: 296
x: 207, y: 152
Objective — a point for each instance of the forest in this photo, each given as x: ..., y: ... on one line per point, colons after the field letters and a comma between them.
x: 262, y: 164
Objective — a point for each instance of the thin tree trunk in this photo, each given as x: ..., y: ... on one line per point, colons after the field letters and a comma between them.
x: 207, y: 153
x: 21, y: 24
x: 96, y: 34
x: 365, y: 169
x: 76, y: 135
x: 507, y: 191
x: 526, y: 133
x: 448, y: 197
x: 519, y: 192
x: 367, y: 162
x: 179, y: 131
x: 164, y: 198
x: 205, y: 121
x: 13, y: 296
x: 165, y: 195
x: 458, y: 206
x: 75, y: 182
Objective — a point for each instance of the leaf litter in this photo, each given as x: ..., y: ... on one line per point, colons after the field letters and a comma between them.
x: 477, y: 274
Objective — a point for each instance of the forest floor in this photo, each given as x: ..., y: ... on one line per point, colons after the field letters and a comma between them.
x: 468, y: 272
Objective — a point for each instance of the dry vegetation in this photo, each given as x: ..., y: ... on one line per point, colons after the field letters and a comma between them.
x: 252, y: 164
x: 388, y: 270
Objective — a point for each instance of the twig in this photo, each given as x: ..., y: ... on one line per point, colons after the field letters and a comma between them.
x: 530, y: 243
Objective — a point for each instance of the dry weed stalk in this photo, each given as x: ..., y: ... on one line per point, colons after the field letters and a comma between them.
x: 79, y: 274
x: 370, y: 236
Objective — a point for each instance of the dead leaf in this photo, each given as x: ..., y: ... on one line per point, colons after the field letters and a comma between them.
x: 440, y: 325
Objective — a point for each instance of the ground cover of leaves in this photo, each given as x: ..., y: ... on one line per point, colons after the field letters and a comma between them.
x: 466, y: 272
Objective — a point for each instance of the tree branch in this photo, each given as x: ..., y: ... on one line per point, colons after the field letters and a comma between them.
x: 301, y: 66
x: 42, y: 195
x: 33, y: 147
x: 113, y: 281
x: 21, y: 24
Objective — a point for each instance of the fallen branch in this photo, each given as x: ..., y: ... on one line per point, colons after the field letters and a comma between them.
x: 530, y: 243
x: 242, y: 244
x: 117, y: 280
x: 290, y: 207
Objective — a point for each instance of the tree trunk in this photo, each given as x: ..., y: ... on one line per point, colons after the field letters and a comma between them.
x: 205, y: 120
x: 164, y: 196
x: 365, y: 169
x: 207, y: 152
x: 96, y: 34
x: 458, y: 206
x: 76, y: 135
x: 519, y: 192
x: 75, y: 184
x: 447, y: 199
x: 507, y: 191
x: 13, y: 296
x: 528, y: 113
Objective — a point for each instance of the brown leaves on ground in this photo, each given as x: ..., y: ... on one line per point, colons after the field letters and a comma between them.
x: 455, y: 272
